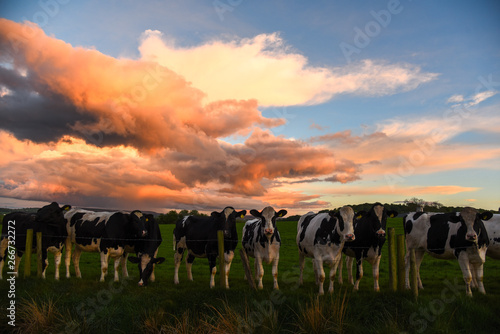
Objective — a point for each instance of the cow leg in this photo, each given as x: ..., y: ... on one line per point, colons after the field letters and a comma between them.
x: 116, y: 266
x: 123, y: 263
x: 419, y: 256
x: 302, y: 262
x: 152, y: 277
x: 104, y: 265
x: 189, y: 265
x: 320, y: 274
x: 375, y: 271
x: 177, y: 263
x: 76, y: 262
x: 407, y: 268
x: 348, y: 263
x: 333, y: 271
x: 19, y: 256
x: 228, y: 259
x: 478, y: 273
x: 45, y: 262
x: 213, y: 269
x: 463, y: 260
x: 57, y: 263
x: 340, y: 269
x: 275, y: 272
x: 359, y: 272
x: 259, y: 271
x: 67, y: 256
x: 3, y: 253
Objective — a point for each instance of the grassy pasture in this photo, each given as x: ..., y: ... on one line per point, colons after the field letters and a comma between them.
x: 86, y: 305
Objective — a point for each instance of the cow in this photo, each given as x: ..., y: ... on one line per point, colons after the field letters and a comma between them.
x: 493, y: 228
x: 147, y: 249
x: 199, y: 236
x: 461, y: 235
x: 261, y: 240
x: 369, y: 229
x: 49, y: 220
x: 109, y: 233
x: 322, y: 236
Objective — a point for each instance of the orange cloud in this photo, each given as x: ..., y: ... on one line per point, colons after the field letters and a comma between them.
x: 113, y: 132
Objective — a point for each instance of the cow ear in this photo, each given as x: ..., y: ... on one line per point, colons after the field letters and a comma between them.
x: 66, y: 207
x: 214, y: 214
x: 392, y: 213
x: 282, y: 213
x: 159, y: 260
x: 486, y: 215
x: 134, y: 259
x: 332, y: 213
x: 360, y: 214
x: 454, y: 218
x: 255, y: 213
x: 242, y: 213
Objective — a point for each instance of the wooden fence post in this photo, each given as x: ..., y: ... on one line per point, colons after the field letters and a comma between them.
x: 248, y: 271
x: 39, y: 254
x: 413, y: 274
x: 401, y: 262
x: 222, y: 262
x: 27, y: 255
x: 393, y: 261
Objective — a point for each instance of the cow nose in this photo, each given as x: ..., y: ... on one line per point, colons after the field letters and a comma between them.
x: 350, y: 237
x: 141, y: 283
x: 471, y: 236
x: 381, y: 233
x: 144, y: 233
x: 269, y: 231
x: 227, y: 234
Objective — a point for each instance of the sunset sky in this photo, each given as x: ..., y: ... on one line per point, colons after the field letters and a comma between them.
x: 160, y: 105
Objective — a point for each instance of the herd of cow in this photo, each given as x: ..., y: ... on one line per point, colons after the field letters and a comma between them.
x: 466, y: 235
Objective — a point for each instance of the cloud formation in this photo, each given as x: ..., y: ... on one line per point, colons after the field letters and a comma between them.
x: 81, y: 127
x: 266, y: 69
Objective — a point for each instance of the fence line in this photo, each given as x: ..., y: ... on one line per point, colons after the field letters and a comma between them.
x: 196, y: 240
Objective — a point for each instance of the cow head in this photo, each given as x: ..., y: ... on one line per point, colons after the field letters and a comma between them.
x: 138, y: 221
x: 268, y: 219
x: 345, y: 226
x: 52, y: 215
x: 226, y: 220
x: 377, y: 218
x: 472, y: 220
x: 146, y: 265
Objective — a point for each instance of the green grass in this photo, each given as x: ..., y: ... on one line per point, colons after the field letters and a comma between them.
x: 87, y: 305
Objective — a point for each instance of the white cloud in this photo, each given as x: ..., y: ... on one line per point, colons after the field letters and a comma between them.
x: 266, y: 69
x: 456, y: 99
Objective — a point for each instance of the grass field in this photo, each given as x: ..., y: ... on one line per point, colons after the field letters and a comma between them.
x: 88, y: 306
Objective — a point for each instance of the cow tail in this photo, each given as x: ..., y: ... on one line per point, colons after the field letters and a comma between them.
x: 174, y: 243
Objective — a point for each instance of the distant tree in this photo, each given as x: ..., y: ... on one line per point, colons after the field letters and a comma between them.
x: 170, y: 218
x: 183, y: 213
x: 194, y: 213
x: 418, y: 204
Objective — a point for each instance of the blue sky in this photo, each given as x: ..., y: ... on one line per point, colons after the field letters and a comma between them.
x: 368, y: 76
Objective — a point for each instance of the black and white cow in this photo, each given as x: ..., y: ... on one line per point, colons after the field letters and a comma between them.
x: 147, y: 249
x: 109, y: 233
x: 369, y: 229
x: 49, y: 220
x: 261, y: 240
x: 322, y: 236
x: 493, y: 228
x: 199, y: 236
x: 461, y: 235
